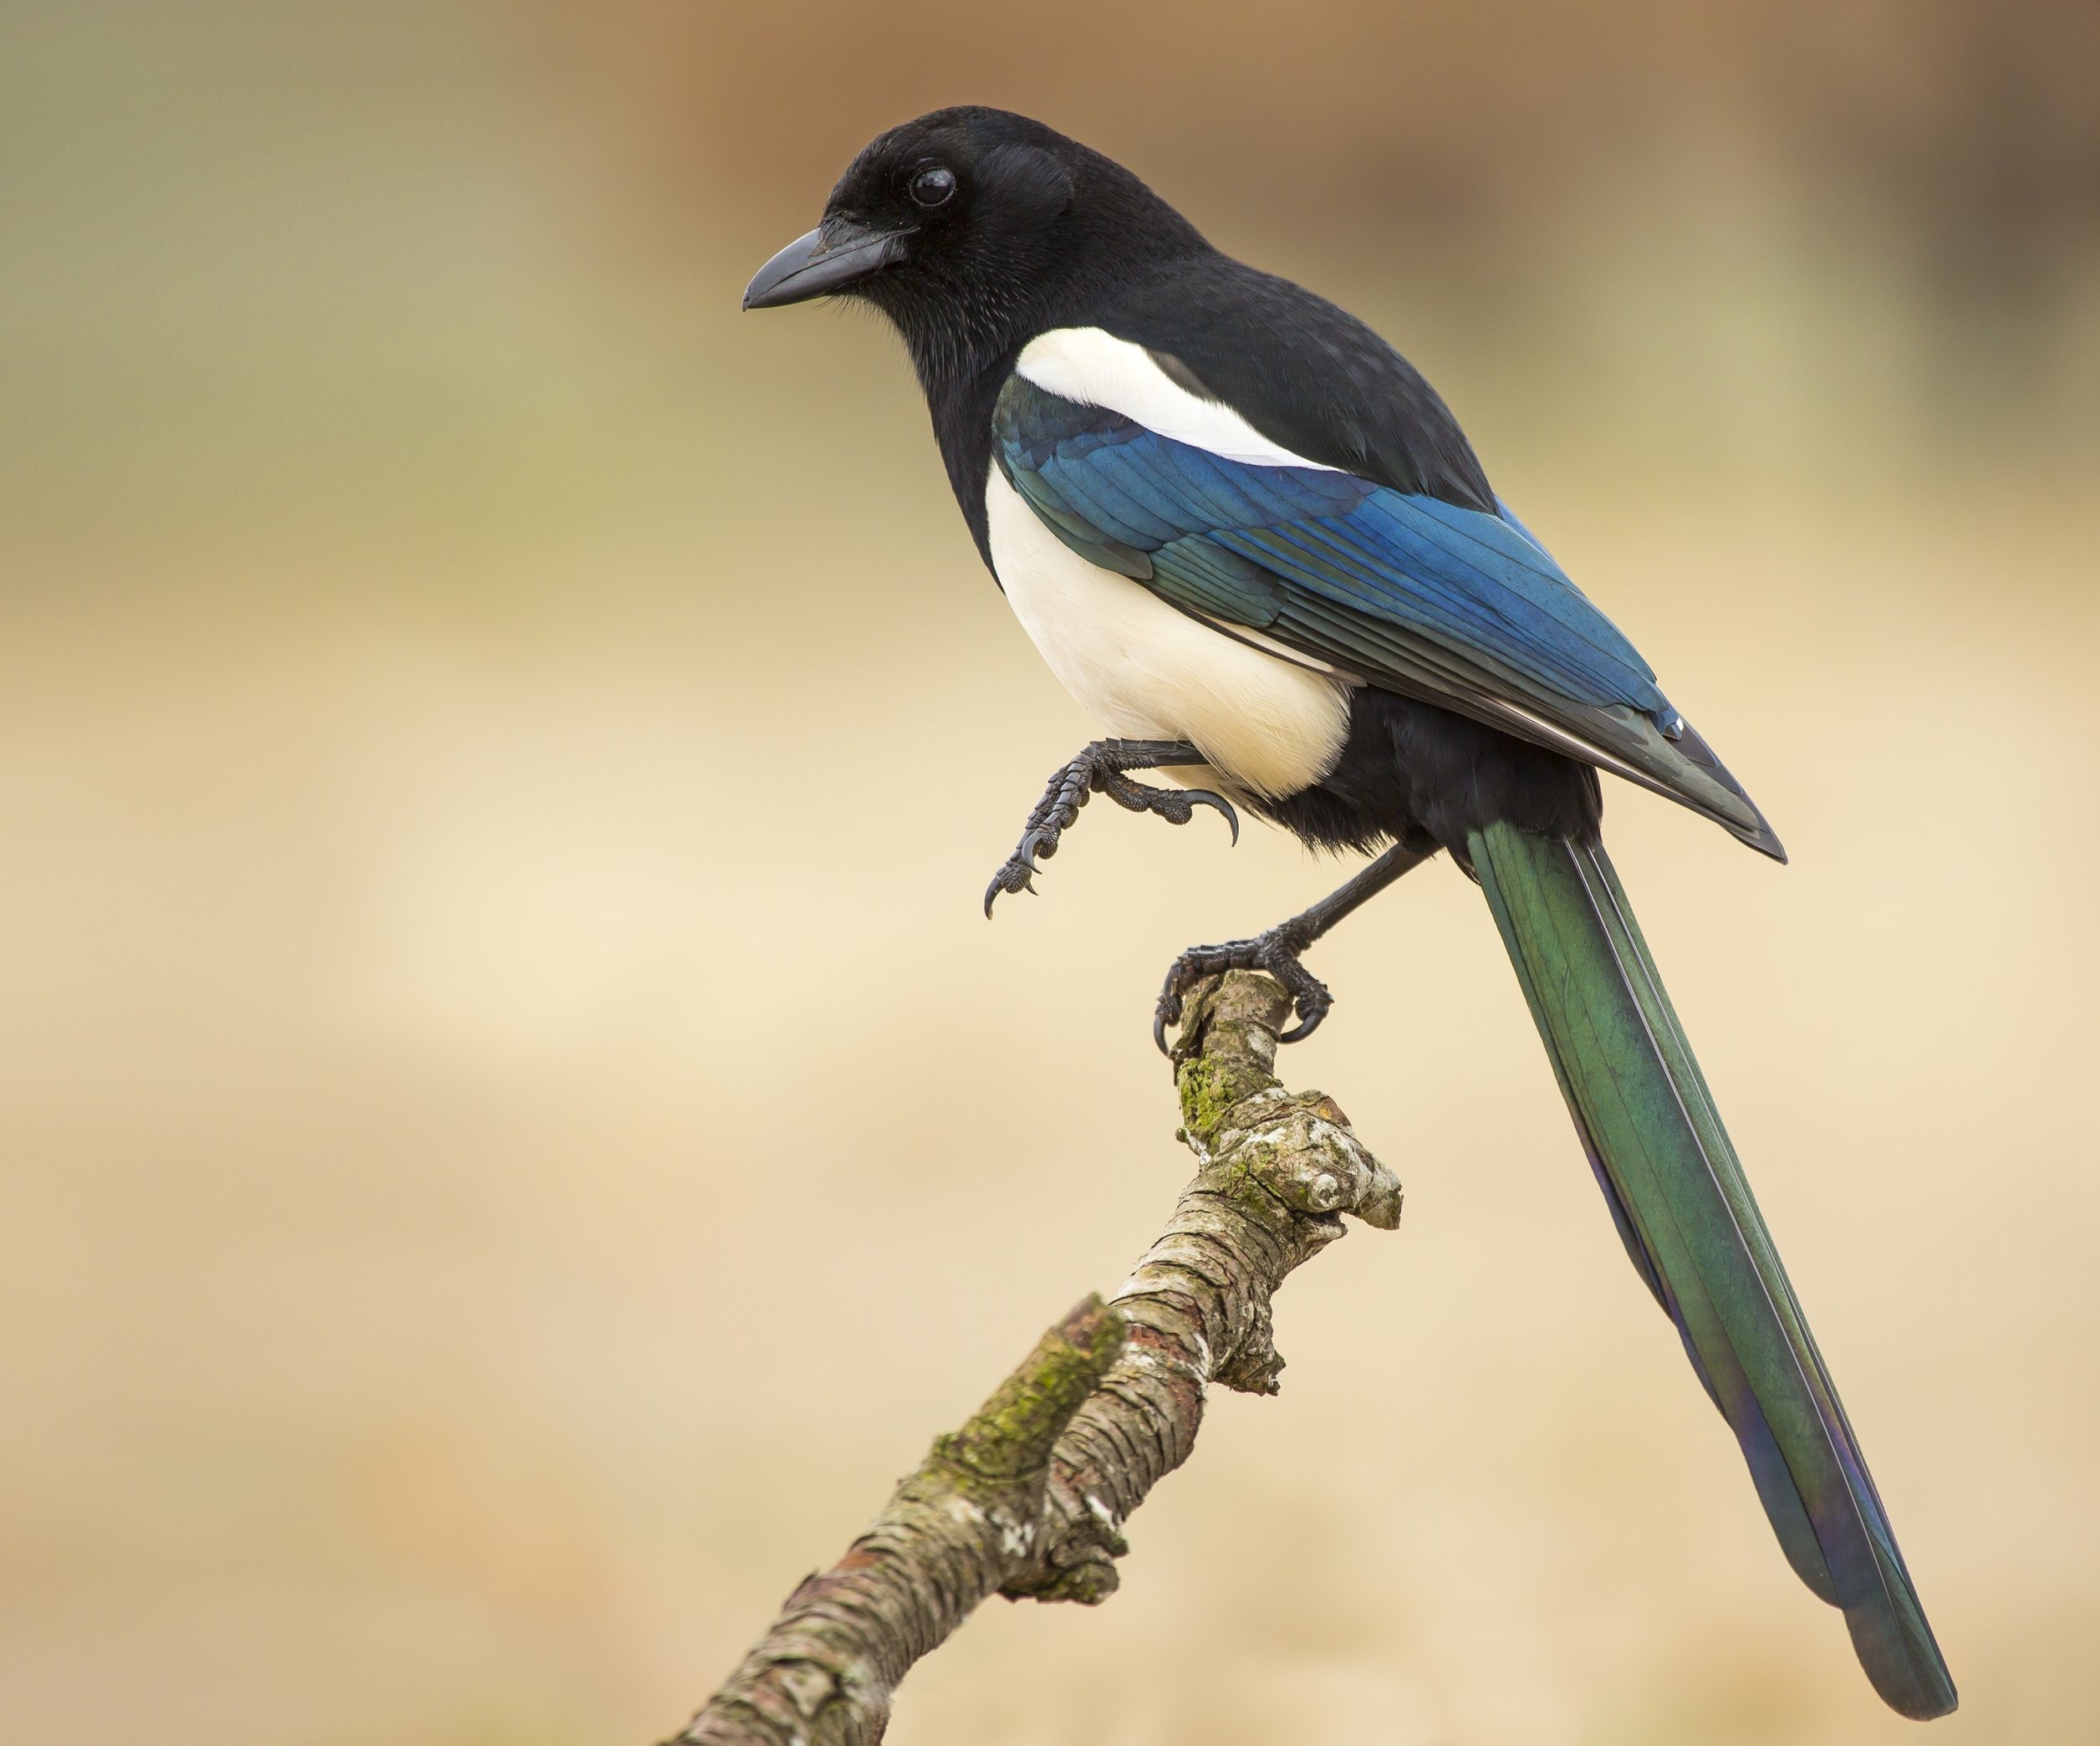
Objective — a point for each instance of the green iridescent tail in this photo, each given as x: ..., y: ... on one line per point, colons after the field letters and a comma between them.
x: 1693, y: 1233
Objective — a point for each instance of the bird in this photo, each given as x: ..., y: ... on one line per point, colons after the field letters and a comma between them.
x: 1255, y: 546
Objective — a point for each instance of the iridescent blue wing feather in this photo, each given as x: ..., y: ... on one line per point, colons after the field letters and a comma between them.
x: 1453, y: 604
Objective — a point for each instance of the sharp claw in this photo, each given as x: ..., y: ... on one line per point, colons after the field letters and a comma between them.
x: 1159, y: 1034
x: 1303, y: 1029
x: 999, y: 884
x: 1206, y: 799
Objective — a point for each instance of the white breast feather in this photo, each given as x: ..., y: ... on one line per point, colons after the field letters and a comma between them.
x: 1096, y: 369
x: 1146, y: 671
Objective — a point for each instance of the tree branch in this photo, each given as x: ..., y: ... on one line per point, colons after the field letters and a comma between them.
x: 1029, y: 1497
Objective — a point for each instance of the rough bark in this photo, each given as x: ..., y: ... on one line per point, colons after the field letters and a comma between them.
x: 1029, y: 1497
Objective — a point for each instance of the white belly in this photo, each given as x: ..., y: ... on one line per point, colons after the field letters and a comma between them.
x: 1145, y: 671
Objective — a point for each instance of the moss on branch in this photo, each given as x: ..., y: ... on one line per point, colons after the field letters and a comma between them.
x: 1028, y: 1498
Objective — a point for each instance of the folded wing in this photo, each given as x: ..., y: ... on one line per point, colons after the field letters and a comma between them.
x: 1446, y: 603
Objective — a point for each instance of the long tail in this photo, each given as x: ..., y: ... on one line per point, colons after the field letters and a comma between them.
x: 1678, y: 1197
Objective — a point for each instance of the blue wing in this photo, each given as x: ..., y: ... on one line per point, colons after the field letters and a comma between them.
x: 1446, y: 602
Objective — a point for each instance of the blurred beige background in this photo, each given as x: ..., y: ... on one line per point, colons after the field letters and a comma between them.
x: 515, y: 1132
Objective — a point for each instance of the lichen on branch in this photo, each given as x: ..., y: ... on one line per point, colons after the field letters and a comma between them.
x: 1028, y: 1498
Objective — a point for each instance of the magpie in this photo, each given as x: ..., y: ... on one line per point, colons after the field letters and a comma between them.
x: 1253, y: 543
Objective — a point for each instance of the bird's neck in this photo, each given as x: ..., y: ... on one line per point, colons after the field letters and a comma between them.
x: 960, y: 402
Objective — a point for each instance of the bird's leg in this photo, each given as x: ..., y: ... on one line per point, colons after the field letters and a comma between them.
x: 1277, y: 951
x: 1099, y: 770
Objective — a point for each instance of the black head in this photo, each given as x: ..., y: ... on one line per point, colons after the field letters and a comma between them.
x: 973, y: 229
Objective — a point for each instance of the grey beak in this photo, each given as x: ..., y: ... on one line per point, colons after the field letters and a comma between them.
x: 817, y: 265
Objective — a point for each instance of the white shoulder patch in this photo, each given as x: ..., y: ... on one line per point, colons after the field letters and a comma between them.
x: 1095, y: 369
x: 1146, y: 671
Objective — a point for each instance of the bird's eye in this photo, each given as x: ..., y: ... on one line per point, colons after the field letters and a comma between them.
x: 933, y: 186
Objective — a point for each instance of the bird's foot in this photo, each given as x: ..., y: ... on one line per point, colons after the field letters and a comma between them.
x: 1276, y: 951
x: 1099, y: 770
